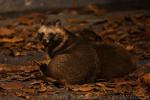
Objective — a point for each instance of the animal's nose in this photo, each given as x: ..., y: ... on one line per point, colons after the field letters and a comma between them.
x: 45, y: 40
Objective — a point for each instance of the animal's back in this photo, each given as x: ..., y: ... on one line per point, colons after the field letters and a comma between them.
x: 115, y: 60
x: 78, y: 65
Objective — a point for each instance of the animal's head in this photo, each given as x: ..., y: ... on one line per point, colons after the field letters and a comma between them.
x: 52, y: 35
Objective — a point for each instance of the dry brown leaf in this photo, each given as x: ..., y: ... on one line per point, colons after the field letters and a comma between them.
x: 11, y: 85
x: 29, y: 90
x: 108, y: 31
x: 43, y: 88
x: 83, y: 88
x: 25, y: 20
x: 103, y: 87
x: 4, y: 68
x: 50, y: 89
x: 12, y: 40
x: 141, y: 92
x: 6, y: 31
x: 122, y: 82
x: 146, y: 79
x: 130, y: 47
x: 36, y: 82
x: 139, y: 72
x: 20, y: 94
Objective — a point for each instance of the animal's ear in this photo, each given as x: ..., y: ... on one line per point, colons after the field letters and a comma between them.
x: 42, y: 22
x: 58, y: 23
x: 45, y: 22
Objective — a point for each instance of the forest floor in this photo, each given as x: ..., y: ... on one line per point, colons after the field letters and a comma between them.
x: 20, y: 77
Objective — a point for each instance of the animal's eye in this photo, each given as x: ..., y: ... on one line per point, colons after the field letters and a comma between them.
x: 57, y: 36
x: 40, y: 35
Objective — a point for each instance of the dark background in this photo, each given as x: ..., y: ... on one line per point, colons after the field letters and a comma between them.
x: 24, y: 5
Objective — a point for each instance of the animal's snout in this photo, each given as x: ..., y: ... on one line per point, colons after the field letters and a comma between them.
x: 45, y: 40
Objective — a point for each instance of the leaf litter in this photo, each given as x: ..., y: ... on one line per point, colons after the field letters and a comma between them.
x: 25, y: 81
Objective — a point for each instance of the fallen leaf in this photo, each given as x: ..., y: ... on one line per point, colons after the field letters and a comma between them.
x: 83, y: 88
x: 20, y: 94
x: 11, y: 40
x: 29, y: 90
x: 25, y: 20
x: 123, y: 82
x: 106, y: 85
x: 36, y: 82
x: 11, y: 85
x: 42, y: 88
x: 6, y: 31
x: 141, y: 92
x: 146, y: 79
x: 6, y: 68
x: 130, y: 47
x: 106, y: 32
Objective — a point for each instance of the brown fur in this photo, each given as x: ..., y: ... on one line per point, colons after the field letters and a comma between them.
x: 80, y: 61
